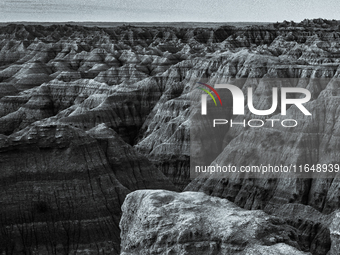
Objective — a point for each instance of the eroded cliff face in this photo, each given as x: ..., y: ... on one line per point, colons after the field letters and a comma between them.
x: 165, y: 222
x: 62, y: 188
x: 314, y: 141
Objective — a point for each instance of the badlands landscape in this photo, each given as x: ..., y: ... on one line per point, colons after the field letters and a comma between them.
x: 95, y: 140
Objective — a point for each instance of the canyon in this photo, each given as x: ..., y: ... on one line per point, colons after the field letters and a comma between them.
x: 89, y: 114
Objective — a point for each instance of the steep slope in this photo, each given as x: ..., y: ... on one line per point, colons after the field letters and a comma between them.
x: 61, y: 189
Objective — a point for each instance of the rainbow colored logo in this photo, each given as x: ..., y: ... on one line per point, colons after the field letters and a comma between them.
x: 213, y: 90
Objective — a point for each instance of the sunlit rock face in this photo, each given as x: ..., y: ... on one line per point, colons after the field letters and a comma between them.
x: 121, y: 96
x: 165, y: 222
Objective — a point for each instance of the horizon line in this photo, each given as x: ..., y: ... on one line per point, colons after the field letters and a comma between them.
x: 142, y: 21
x: 91, y: 21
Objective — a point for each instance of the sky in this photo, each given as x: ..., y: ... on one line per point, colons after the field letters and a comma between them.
x: 167, y: 10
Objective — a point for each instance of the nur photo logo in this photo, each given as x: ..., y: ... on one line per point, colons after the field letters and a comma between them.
x: 238, y: 104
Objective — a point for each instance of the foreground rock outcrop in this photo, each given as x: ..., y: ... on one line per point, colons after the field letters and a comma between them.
x: 164, y: 222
